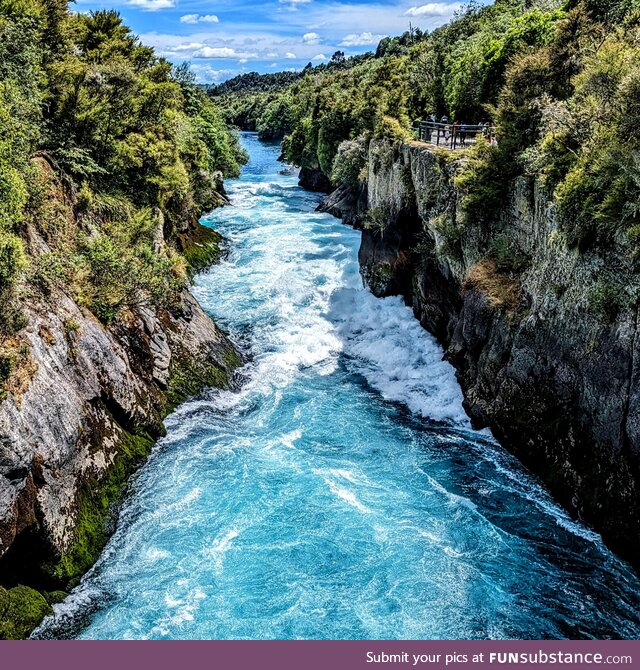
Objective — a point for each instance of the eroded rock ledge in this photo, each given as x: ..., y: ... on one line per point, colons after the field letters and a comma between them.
x: 541, y: 360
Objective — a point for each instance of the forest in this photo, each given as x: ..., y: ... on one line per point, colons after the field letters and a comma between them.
x: 131, y: 137
x: 559, y: 79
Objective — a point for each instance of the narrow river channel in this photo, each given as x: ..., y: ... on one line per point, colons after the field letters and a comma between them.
x: 341, y: 493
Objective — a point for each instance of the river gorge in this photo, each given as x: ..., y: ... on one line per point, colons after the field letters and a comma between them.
x: 341, y: 492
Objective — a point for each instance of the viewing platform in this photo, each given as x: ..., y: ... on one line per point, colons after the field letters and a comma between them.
x: 453, y: 136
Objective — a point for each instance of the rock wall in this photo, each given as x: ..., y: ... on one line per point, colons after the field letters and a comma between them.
x: 552, y: 371
x: 79, y: 415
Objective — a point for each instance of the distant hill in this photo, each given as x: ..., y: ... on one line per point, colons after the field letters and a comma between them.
x: 253, y: 82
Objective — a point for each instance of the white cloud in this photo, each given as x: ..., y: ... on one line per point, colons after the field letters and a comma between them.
x: 189, y: 46
x: 320, y: 57
x: 261, y: 41
x: 215, y: 52
x: 293, y: 4
x: 152, y: 5
x: 339, y: 17
x: 205, y: 43
x: 433, y: 9
x: 222, y: 52
x: 199, y: 18
x: 361, y: 40
x: 210, y: 75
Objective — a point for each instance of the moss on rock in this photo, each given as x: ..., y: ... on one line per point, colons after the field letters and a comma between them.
x: 21, y: 610
x: 55, y: 597
x: 99, y: 499
x: 97, y: 502
x: 201, y: 248
x: 192, y: 375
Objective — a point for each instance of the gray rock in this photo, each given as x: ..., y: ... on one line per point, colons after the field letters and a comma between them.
x: 558, y: 384
x: 91, y: 383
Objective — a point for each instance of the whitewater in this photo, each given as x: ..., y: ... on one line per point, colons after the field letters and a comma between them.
x: 341, y: 492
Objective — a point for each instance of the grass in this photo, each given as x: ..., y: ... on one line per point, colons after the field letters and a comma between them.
x: 500, y: 290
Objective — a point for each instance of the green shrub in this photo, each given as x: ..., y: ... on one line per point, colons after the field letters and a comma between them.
x: 606, y: 298
x: 349, y: 162
x: 124, y: 278
x: 12, y: 316
x: 13, y: 359
x: 85, y: 198
x: 484, y: 181
x: 12, y: 259
x: 451, y: 236
x: 391, y: 129
x: 507, y: 255
x: 376, y: 219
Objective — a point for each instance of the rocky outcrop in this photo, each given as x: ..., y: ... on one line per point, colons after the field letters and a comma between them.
x: 346, y: 203
x: 547, y: 352
x: 79, y: 413
x: 314, y: 180
x: 92, y: 392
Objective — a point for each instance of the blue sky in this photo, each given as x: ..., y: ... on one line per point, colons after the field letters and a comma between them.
x: 223, y: 38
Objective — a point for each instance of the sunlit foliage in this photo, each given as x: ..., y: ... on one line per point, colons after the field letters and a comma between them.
x: 117, y: 124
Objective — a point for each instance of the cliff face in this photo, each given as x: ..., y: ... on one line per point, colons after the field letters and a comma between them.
x: 545, y: 342
x: 80, y: 412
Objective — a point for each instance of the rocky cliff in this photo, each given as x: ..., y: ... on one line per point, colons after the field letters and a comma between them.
x: 544, y: 337
x: 80, y: 411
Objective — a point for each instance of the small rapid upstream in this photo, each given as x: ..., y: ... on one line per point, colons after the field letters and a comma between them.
x: 341, y: 493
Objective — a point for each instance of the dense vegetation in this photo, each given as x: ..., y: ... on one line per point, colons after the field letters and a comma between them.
x: 559, y: 79
x: 135, y: 143
x: 246, y: 100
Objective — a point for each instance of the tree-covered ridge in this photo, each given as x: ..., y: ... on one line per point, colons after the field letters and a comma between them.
x: 458, y: 70
x: 557, y: 78
x: 135, y: 142
x: 245, y: 98
x: 254, y: 82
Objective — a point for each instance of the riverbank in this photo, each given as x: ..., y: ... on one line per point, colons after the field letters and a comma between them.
x: 540, y: 357
x: 82, y: 412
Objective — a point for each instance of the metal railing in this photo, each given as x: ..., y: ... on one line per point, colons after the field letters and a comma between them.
x: 453, y: 135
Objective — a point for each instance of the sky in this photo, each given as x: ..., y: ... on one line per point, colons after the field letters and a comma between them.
x: 224, y: 38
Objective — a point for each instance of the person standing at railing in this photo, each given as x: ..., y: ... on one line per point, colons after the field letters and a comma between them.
x: 433, y: 128
x: 463, y: 135
x: 456, y: 132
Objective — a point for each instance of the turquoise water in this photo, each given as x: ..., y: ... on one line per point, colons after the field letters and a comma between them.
x: 341, y: 492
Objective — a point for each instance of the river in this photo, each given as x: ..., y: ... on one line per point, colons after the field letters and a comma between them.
x: 341, y: 493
